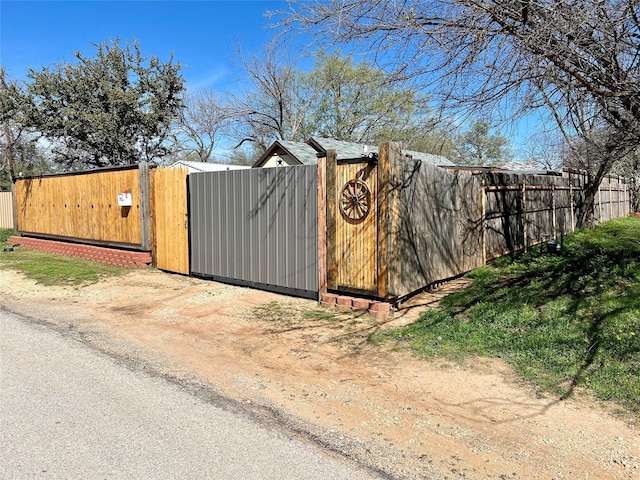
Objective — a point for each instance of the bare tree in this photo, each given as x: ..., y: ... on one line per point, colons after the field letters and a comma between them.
x: 273, y: 106
x: 545, y: 149
x: 200, y: 122
x: 499, y: 55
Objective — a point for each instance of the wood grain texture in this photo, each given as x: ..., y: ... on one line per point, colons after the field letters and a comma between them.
x: 81, y: 206
x: 170, y: 213
x: 322, y: 225
x: 356, y: 241
x: 332, y: 205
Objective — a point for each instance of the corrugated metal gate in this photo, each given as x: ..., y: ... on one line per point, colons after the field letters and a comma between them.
x: 257, y: 228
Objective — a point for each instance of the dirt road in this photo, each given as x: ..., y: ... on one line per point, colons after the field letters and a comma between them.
x: 289, y: 361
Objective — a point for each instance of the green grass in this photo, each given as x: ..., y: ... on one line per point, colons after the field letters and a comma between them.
x: 50, y: 269
x: 5, y: 233
x: 562, y: 321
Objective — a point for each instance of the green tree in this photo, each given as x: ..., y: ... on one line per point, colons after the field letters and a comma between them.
x: 477, y: 146
x: 29, y: 159
x: 111, y: 109
x: 336, y: 98
x: 359, y: 103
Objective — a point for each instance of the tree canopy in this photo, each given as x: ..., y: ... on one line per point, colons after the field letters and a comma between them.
x: 577, y: 59
x: 114, y: 108
x: 336, y: 98
x: 477, y: 146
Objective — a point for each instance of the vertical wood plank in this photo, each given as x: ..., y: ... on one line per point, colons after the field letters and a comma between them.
x: 483, y: 220
x: 394, y: 216
x: 145, y: 206
x: 322, y: 225
x: 170, y: 214
x: 524, y: 214
x: 332, y: 241
x: 382, y: 199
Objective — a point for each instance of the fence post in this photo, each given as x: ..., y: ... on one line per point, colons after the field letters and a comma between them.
x: 145, y: 206
x: 332, y: 261
x: 524, y: 215
x: 600, y: 203
x: 610, y: 200
x: 553, y: 211
x: 571, y: 207
x: 483, y: 219
x: 322, y: 226
x: 386, y: 151
x: 618, y: 196
x: 14, y: 205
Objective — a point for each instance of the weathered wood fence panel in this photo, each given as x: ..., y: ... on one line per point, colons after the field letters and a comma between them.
x: 438, y: 232
x: 84, y: 206
x: 434, y: 224
x: 6, y: 210
x: 256, y: 227
x: 522, y: 210
x: 171, y: 219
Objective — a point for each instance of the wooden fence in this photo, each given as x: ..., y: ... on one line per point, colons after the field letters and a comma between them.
x: 387, y: 227
x: 90, y: 207
x: 6, y: 210
x: 521, y: 210
x: 435, y: 224
x: 170, y: 219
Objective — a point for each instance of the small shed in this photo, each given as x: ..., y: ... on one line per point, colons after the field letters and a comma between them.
x: 197, y: 167
x: 284, y: 153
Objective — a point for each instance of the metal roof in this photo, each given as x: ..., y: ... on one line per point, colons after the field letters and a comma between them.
x: 207, y: 166
x: 301, y: 151
x: 306, y: 153
x: 348, y: 150
x: 344, y: 150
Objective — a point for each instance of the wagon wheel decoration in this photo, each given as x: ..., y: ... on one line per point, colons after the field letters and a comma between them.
x: 355, y: 200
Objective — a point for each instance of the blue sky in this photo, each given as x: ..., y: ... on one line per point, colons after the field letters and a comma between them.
x: 202, y: 34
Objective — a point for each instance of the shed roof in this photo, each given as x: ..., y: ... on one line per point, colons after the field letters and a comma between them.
x: 207, y: 166
x: 307, y: 152
x: 348, y: 150
x: 301, y: 151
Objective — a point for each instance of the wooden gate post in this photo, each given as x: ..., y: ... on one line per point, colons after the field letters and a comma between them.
x: 332, y: 260
x: 145, y: 205
x: 389, y: 171
x: 322, y: 226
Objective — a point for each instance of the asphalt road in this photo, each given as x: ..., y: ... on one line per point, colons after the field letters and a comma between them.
x: 69, y: 411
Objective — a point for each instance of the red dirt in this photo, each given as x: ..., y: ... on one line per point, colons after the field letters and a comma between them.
x: 405, y: 416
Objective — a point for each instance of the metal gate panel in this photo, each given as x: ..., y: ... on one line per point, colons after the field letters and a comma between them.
x: 256, y: 227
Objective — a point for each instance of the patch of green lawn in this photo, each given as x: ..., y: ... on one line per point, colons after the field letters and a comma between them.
x: 562, y: 321
x: 5, y: 233
x: 50, y: 269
